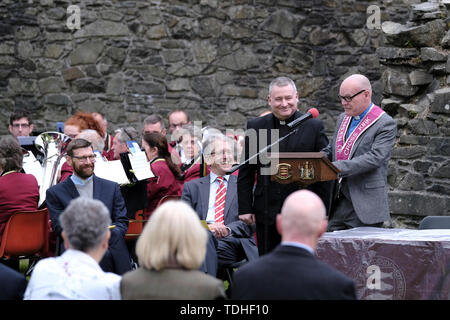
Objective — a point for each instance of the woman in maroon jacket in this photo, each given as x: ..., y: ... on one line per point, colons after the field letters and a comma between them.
x: 18, y: 191
x: 167, y: 174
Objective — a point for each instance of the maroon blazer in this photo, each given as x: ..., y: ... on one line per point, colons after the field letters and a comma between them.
x: 162, y: 184
x: 194, y: 172
x: 66, y: 171
x: 18, y: 192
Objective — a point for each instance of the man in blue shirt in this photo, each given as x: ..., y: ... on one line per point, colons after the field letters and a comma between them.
x: 361, y: 148
x: 83, y: 182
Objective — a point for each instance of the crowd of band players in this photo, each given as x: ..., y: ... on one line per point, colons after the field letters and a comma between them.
x: 176, y: 257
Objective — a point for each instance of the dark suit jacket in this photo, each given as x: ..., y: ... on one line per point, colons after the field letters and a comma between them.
x: 13, y: 284
x: 196, y: 193
x: 117, y: 258
x: 290, y: 272
x: 310, y: 137
x: 59, y: 196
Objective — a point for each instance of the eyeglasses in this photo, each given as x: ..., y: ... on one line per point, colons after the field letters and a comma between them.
x: 349, y: 99
x: 23, y: 125
x: 85, y: 158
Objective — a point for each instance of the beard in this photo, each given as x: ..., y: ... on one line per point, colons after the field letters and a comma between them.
x: 84, y: 171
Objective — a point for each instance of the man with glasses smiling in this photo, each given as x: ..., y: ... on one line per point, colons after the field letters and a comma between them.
x: 361, y: 148
x: 20, y: 124
x: 83, y: 182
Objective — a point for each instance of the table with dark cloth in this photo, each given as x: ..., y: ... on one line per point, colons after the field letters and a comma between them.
x: 391, y: 264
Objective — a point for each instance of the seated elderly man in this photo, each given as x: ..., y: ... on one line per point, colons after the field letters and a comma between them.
x: 76, y: 275
x: 214, y: 198
x: 122, y: 135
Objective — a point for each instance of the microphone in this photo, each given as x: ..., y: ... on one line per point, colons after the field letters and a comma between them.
x: 312, y: 113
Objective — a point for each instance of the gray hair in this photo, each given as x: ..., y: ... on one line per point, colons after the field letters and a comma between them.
x: 208, y: 143
x: 85, y: 222
x: 191, y: 130
x: 128, y: 134
x: 153, y: 119
x: 281, y: 82
x: 94, y: 138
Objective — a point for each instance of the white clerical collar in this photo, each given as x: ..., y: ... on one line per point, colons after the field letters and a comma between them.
x: 363, y: 113
x: 282, y: 122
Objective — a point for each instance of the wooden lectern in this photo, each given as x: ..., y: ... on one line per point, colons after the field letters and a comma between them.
x: 301, y: 167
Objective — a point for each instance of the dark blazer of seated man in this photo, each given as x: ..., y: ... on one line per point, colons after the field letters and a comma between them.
x: 291, y: 271
x: 218, y: 204
x: 13, y: 283
x: 83, y: 182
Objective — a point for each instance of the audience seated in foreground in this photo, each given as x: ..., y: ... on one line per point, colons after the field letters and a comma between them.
x: 76, y: 274
x: 291, y: 271
x: 13, y: 283
x: 170, y: 249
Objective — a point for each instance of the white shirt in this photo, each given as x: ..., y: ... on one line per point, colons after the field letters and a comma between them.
x: 75, y: 276
x: 214, y: 185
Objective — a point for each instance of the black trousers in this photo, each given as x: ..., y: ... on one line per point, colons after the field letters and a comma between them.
x: 271, y: 234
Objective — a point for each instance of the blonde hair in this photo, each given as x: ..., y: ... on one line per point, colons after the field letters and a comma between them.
x: 173, y: 235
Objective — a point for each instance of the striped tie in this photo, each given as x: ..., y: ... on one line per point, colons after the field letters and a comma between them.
x: 220, y: 201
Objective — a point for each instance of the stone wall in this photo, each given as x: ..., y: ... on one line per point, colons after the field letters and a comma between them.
x: 415, y: 74
x: 215, y: 59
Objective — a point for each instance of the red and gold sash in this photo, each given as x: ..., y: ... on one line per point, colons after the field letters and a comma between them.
x: 344, y: 147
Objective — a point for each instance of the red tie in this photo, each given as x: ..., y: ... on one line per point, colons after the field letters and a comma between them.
x: 220, y: 201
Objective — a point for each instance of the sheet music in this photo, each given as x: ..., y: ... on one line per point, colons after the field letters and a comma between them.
x: 140, y: 165
x: 111, y: 170
x: 32, y: 166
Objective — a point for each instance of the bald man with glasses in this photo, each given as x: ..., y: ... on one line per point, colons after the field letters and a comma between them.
x: 361, y: 148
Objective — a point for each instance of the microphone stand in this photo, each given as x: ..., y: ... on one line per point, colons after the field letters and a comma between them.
x: 265, y: 184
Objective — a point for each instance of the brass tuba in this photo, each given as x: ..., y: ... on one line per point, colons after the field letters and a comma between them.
x: 53, y: 145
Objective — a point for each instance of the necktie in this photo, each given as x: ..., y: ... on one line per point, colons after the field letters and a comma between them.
x: 220, y: 201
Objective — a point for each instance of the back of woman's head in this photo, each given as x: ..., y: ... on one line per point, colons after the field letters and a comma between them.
x: 156, y: 139
x: 173, y: 236
x: 11, y: 154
